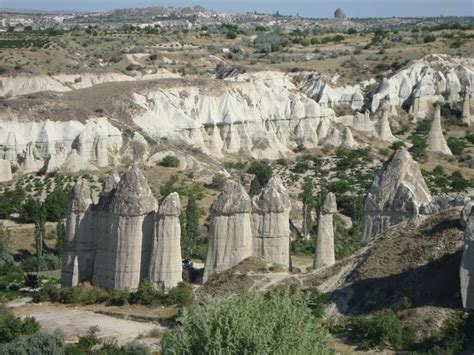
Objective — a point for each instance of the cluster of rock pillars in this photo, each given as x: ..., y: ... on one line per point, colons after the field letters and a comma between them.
x: 127, y: 237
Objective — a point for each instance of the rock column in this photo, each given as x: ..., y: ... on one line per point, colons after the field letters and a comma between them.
x: 436, y: 142
x: 324, y: 255
x: 270, y: 222
x: 129, y: 236
x: 230, y: 230
x: 466, y: 109
x: 5, y: 170
x: 80, y: 241
x: 166, y: 264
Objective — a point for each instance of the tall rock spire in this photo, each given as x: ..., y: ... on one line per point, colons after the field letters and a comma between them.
x: 129, y: 238
x: 324, y: 255
x: 230, y: 230
x: 396, y: 194
x: 5, y: 170
x: 382, y: 128
x: 466, y: 109
x: 80, y: 243
x: 166, y: 263
x: 436, y: 141
x: 270, y: 222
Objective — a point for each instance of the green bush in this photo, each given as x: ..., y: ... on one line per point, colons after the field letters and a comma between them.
x: 12, y: 327
x: 46, y: 262
x: 456, y: 145
x: 252, y: 323
x: 380, y: 330
x: 301, y: 167
x: 302, y: 247
x: 119, y: 297
x: 37, y: 343
x: 180, y: 295
x: 170, y: 161
x: 263, y: 172
x: 146, y: 294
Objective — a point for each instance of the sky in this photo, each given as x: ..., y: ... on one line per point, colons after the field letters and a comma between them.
x: 308, y: 8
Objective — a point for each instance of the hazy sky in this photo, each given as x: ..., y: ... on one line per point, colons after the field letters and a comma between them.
x: 312, y: 8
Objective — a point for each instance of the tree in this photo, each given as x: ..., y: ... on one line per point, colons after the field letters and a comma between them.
x: 5, y: 256
x: 263, y: 172
x: 170, y: 161
x: 251, y: 323
x: 40, y: 232
x: 190, y: 232
x: 56, y: 205
x: 60, y: 236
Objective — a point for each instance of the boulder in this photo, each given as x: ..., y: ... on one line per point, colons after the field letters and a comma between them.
x: 230, y: 229
x: 324, y: 255
x: 125, y: 252
x: 270, y: 223
x: 395, y: 196
x: 436, y: 142
x: 166, y: 264
x: 467, y: 263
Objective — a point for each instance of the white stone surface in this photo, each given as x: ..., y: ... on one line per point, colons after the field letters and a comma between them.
x: 325, y: 255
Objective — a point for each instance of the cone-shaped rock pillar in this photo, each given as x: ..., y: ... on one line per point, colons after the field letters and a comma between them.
x: 80, y: 242
x: 166, y: 264
x: 395, y: 195
x: 5, y: 170
x: 129, y: 236
x: 436, y: 142
x: 383, y: 129
x: 324, y: 255
x: 467, y: 263
x: 466, y: 109
x: 270, y: 222
x: 230, y: 230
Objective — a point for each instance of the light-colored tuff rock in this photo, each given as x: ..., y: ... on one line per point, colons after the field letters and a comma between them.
x: 466, y: 109
x: 230, y: 229
x: 270, y: 223
x: 467, y: 263
x: 5, y: 170
x: 166, y: 263
x: 436, y: 142
x: 383, y: 130
x: 425, y: 82
x: 395, y: 196
x: 125, y: 253
x: 324, y: 255
x: 80, y: 243
x: 31, y: 161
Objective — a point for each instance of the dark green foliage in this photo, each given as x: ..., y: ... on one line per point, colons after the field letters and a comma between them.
x: 170, y: 161
x: 458, y: 182
x: 251, y: 323
x: 12, y: 327
x: 5, y: 256
x: 456, y: 145
x: 36, y: 343
x: 309, y: 202
x: 11, y: 201
x: 301, y: 167
x: 418, y: 149
x: 190, y: 229
x: 302, y: 247
x: 423, y: 127
x: 270, y: 42
x: 348, y: 158
x: 469, y: 137
x: 56, y: 205
x: 397, y: 145
x: 31, y: 210
x: 43, y: 263
x: 60, y: 235
x: 380, y: 330
x: 146, y: 294
x: 180, y: 295
x: 218, y: 180
x: 263, y: 172
x: 429, y: 38
x: 119, y: 297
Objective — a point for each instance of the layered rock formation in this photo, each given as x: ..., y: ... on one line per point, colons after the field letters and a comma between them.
x: 80, y: 243
x: 324, y: 255
x: 383, y: 130
x: 5, y: 170
x: 270, y: 223
x: 166, y: 263
x: 230, y: 229
x: 395, y: 196
x: 129, y: 238
x: 466, y: 109
x: 436, y: 142
x: 467, y: 264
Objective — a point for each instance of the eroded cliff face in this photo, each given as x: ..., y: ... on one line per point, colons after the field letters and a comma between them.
x: 395, y: 196
x: 467, y: 264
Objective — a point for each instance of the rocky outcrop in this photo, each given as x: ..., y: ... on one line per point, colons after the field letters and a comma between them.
x: 466, y: 109
x: 31, y: 161
x: 339, y: 14
x: 395, y: 196
x: 382, y: 128
x: 80, y: 243
x: 125, y: 252
x: 467, y: 264
x: 230, y: 229
x: 324, y: 255
x: 270, y: 223
x: 5, y: 170
x: 436, y: 142
x: 166, y: 263
x: 425, y: 82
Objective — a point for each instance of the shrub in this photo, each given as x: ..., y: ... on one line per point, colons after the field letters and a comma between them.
x: 46, y: 262
x: 145, y: 293
x: 456, y: 145
x: 218, y: 179
x: 380, y: 329
x: 458, y: 182
x: 397, y: 145
x: 301, y: 167
x: 37, y: 343
x: 170, y: 161
x: 429, y: 38
x: 180, y: 295
x: 263, y: 172
x: 251, y: 323
x: 119, y: 297
x: 12, y: 327
x: 56, y: 205
x: 302, y: 247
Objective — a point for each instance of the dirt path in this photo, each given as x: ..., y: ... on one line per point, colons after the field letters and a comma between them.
x: 75, y: 321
